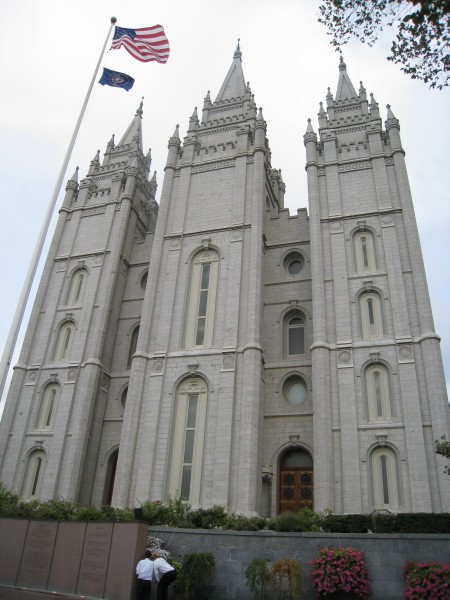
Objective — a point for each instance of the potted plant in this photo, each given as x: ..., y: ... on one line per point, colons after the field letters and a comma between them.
x: 340, y: 573
x: 287, y: 580
x: 427, y: 580
x: 258, y: 577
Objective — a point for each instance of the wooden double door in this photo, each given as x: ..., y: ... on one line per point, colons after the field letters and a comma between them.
x: 296, y: 489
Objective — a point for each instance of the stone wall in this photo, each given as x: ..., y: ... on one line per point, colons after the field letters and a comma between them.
x: 233, y: 550
x: 69, y: 559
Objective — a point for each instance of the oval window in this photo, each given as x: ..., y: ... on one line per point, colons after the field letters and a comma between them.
x: 293, y: 263
x: 294, y: 390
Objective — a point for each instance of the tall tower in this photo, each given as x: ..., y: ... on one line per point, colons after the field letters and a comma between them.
x: 192, y: 425
x: 378, y: 383
x: 54, y: 417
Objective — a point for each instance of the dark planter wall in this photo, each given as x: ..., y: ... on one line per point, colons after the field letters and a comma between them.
x: 233, y: 550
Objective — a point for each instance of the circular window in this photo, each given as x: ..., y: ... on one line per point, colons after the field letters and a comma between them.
x: 294, y: 390
x: 293, y: 263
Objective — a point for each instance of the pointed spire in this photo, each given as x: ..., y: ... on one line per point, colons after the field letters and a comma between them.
x: 110, y: 145
x: 260, y: 115
x: 234, y: 85
x: 309, y: 127
x: 75, y: 175
x: 193, y: 121
x: 374, y: 110
x: 345, y: 89
x: 133, y: 135
x: 321, y: 110
x: 148, y: 159
x: 207, y: 100
x: 390, y: 114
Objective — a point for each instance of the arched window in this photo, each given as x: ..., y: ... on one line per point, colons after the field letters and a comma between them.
x: 133, y: 343
x: 34, y: 474
x: 47, y: 408
x: 63, y: 341
x: 364, y: 252
x: 76, y: 287
x: 202, y: 300
x: 384, y: 479
x: 294, y: 331
x: 371, y: 315
x: 188, y: 441
x: 379, y: 407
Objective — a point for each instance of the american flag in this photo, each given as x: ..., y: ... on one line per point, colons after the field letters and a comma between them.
x: 145, y: 44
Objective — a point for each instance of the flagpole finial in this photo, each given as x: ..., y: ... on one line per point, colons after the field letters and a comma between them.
x: 113, y: 20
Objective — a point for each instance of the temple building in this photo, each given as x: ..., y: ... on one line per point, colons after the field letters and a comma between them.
x: 217, y: 349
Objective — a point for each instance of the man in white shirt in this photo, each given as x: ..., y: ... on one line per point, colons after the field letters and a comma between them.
x: 165, y: 574
x: 144, y: 572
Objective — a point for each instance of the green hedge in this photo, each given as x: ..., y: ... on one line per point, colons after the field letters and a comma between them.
x: 175, y: 513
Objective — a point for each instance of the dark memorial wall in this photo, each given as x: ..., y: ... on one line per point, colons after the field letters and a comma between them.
x: 80, y: 559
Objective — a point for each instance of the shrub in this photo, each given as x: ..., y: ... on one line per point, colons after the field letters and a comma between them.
x: 8, y: 500
x: 287, y: 580
x: 238, y: 522
x: 209, y: 518
x: 196, y: 570
x: 340, y: 570
x: 346, y: 523
x: 258, y: 577
x: 427, y: 580
x: 304, y: 520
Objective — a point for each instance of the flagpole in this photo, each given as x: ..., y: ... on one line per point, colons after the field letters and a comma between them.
x: 22, y: 303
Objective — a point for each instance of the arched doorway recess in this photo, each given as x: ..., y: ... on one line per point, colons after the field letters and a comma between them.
x: 296, y: 481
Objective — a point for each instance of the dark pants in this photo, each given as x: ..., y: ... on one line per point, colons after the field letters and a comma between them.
x: 143, y: 589
x: 164, y: 583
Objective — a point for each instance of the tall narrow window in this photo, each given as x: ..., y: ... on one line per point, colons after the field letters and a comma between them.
x: 133, y: 344
x: 47, y: 408
x: 76, y: 287
x: 371, y: 316
x: 33, y: 475
x: 202, y: 300
x: 188, y: 441
x: 364, y: 248
x: 295, y: 334
x: 379, y: 406
x: 63, y: 341
x: 384, y: 479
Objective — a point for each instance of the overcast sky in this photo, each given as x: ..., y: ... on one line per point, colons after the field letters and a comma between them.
x: 48, y: 53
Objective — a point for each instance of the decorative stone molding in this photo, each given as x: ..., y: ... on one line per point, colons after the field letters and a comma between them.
x: 375, y: 356
x: 381, y: 438
x: 193, y: 367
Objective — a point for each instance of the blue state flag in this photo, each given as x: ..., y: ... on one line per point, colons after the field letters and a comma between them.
x: 116, y: 79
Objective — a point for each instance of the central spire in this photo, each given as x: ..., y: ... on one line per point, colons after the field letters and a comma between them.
x: 234, y: 83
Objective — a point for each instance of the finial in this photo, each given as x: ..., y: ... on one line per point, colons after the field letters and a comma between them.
x: 260, y: 114
x: 113, y: 20
x: 238, y: 53
x: 361, y: 87
x: 342, y: 65
x: 139, y: 110
x: 309, y: 128
x: 321, y: 109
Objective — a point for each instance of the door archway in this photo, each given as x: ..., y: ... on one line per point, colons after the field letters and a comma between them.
x: 296, y: 481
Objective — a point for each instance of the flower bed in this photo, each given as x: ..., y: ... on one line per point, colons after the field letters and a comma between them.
x: 340, y: 570
x: 427, y: 580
